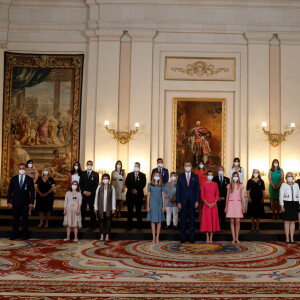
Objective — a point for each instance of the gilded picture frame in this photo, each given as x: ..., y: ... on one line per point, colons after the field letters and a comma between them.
x: 41, y: 115
x: 200, y: 68
x: 212, y: 125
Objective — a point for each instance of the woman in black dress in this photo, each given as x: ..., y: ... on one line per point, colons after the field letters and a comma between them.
x: 44, y: 196
x: 256, y: 197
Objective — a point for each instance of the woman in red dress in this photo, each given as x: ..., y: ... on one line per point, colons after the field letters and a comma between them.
x: 210, y: 216
x: 202, y: 178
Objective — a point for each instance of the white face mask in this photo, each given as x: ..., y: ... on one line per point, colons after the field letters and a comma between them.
x: 136, y: 169
x: 290, y: 179
x: 188, y: 169
x: 201, y: 166
x: 74, y: 186
x: 89, y: 168
x: 76, y: 167
x: 275, y: 165
x: 235, y: 179
x: 173, y: 178
x: 21, y: 172
x: 156, y: 178
x: 221, y: 173
x: 46, y: 172
x: 105, y: 181
x: 160, y: 165
x: 119, y: 167
x: 210, y: 177
x: 236, y: 163
x: 255, y: 175
x: 30, y: 165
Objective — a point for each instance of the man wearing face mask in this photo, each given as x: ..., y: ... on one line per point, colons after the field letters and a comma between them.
x: 20, y: 198
x: 187, y: 199
x: 163, y: 171
x: 222, y: 182
x: 135, y: 183
x: 89, y: 181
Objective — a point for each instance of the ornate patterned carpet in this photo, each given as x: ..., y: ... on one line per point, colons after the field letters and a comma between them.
x: 53, y: 269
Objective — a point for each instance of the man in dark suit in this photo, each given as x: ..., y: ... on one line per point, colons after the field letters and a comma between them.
x: 20, y: 198
x: 163, y: 171
x: 187, y: 199
x: 89, y: 181
x: 135, y: 183
x: 222, y: 182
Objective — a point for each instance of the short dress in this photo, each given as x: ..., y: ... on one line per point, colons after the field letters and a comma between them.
x: 117, y: 183
x: 71, y: 204
x: 276, y: 178
x: 44, y: 204
x: 235, y: 202
x: 156, y: 204
x: 256, y: 207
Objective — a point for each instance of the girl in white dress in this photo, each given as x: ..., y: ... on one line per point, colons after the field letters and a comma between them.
x: 75, y: 173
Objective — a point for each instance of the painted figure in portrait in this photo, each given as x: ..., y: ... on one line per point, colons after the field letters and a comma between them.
x: 42, y: 107
x: 199, y: 126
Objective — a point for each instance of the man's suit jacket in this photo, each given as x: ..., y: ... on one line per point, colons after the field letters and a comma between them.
x: 222, y: 187
x: 89, y: 184
x: 133, y: 184
x: 185, y: 192
x: 164, y: 174
x: 23, y: 196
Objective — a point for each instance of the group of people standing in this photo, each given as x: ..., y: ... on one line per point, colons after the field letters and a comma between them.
x: 218, y: 197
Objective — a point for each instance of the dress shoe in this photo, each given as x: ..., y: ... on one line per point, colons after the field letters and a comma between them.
x: 192, y: 241
x: 182, y: 241
x: 14, y: 238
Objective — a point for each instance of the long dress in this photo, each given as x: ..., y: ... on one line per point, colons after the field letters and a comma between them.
x: 44, y: 204
x: 235, y: 202
x: 210, y: 216
x: 256, y: 207
x: 156, y: 204
x: 118, y: 183
x: 71, y: 204
x: 202, y: 176
x: 276, y: 178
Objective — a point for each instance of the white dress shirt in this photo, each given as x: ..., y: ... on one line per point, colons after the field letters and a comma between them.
x: 113, y: 206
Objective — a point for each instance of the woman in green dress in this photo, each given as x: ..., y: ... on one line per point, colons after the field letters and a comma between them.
x: 276, y: 178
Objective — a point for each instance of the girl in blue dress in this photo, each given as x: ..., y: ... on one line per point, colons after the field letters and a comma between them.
x: 156, y: 205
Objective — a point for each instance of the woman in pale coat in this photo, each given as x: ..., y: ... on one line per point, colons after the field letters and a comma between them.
x: 289, y: 199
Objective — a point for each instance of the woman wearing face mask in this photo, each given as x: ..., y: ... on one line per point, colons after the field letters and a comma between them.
x: 105, y: 206
x: 170, y: 202
x: 156, y: 205
x: 72, y: 219
x: 298, y: 182
x: 256, y: 197
x: 210, y: 216
x: 44, y: 187
x: 276, y: 178
x: 289, y: 199
x: 75, y: 173
x: 118, y: 177
x: 236, y: 167
x: 201, y: 172
x: 235, y: 205
x: 31, y: 171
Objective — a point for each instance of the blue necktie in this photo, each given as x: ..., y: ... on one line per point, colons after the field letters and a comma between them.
x: 21, y: 182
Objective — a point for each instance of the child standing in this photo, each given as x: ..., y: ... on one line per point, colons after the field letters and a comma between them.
x: 235, y: 206
x: 72, y: 212
x: 210, y: 216
x: 156, y: 205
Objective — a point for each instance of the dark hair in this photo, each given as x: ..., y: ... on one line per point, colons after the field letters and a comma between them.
x: 236, y: 158
x: 137, y: 163
x: 105, y: 175
x: 77, y: 186
x: 21, y: 164
x: 90, y: 161
x: 188, y: 162
x: 273, y: 167
x: 28, y: 162
x: 209, y: 171
x: 159, y: 159
x: 201, y: 161
x: 172, y: 173
x: 79, y: 168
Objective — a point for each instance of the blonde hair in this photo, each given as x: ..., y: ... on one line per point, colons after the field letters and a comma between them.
x: 49, y: 171
x: 232, y: 181
x: 257, y: 172
x: 288, y: 174
x: 160, y: 179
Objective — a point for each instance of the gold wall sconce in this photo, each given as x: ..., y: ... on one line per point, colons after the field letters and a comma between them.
x: 276, y: 139
x: 122, y: 136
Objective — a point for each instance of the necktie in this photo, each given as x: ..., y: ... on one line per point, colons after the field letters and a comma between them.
x: 21, y: 182
x: 188, y: 179
x: 136, y: 175
x: 89, y: 173
x: 221, y: 180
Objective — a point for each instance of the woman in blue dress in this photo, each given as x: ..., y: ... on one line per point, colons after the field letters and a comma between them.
x: 156, y: 205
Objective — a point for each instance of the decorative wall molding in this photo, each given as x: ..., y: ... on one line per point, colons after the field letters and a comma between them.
x: 289, y: 38
x: 109, y: 34
x: 142, y: 35
x: 258, y: 37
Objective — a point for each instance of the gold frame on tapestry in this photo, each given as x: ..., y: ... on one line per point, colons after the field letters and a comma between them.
x: 18, y: 60
x: 201, y: 79
x: 202, y: 99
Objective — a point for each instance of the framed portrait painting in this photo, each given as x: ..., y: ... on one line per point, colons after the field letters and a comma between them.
x: 41, y: 115
x: 198, y: 132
